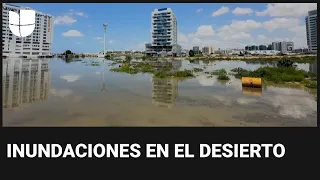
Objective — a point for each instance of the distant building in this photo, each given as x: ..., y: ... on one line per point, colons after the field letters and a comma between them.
x: 208, y: 50
x: 283, y: 46
x: 149, y: 50
x: 253, y: 48
x: 269, y: 47
x: 301, y: 50
x: 264, y: 52
x: 286, y: 47
x: 212, y: 49
x: 196, y: 49
x: 276, y: 46
x: 221, y: 51
x: 311, y: 29
x: 262, y: 47
x: 176, y: 50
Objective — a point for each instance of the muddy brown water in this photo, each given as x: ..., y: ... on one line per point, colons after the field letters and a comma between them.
x: 52, y: 92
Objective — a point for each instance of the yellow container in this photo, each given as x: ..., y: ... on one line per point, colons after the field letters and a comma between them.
x: 252, y: 91
x: 251, y: 82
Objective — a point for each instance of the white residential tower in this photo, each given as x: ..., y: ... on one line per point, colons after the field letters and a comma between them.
x: 311, y: 29
x: 37, y: 44
x: 163, y: 30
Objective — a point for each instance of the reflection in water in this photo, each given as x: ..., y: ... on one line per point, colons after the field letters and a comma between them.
x: 252, y: 91
x: 164, y: 91
x: 313, y: 67
x: 103, y: 88
x: 25, y: 81
x: 202, y: 101
x: 176, y: 64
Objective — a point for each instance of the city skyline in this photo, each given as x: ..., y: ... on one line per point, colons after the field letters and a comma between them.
x: 78, y: 27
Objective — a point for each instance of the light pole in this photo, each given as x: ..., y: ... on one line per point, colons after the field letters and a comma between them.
x: 104, y: 40
x: 103, y: 82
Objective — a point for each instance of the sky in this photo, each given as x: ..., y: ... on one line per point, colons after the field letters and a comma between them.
x: 78, y: 26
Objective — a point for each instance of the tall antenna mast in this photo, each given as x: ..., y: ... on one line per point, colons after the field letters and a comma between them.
x: 104, y: 40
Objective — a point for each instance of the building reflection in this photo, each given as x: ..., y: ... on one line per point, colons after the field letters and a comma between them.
x: 165, y: 90
x: 25, y: 81
x: 313, y: 67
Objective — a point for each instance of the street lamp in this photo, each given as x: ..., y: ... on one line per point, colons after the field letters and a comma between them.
x: 104, y: 40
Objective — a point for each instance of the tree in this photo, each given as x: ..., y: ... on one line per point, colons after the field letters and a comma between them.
x: 285, y: 63
x: 191, y: 53
x: 67, y: 52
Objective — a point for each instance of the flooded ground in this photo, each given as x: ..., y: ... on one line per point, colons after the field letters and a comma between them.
x: 58, y: 93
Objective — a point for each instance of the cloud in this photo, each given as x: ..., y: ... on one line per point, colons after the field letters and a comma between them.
x: 139, y: 47
x: 291, y: 102
x: 244, y: 101
x: 199, y: 10
x: 240, y: 26
x: 111, y: 42
x: 64, y: 20
x: 262, y: 37
x: 238, y: 30
x: 287, y: 9
x: 72, y: 33
x: 220, y: 11
x: 239, y: 34
x: 71, y: 77
x: 89, y: 25
x: 204, y: 81
x: 205, y: 31
x: 97, y: 38
x: 81, y: 14
x: 68, y: 18
x: 61, y: 92
x: 298, y: 29
x: 242, y: 11
x: 182, y: 38
x: 278, y: 23
x: 73, y: 12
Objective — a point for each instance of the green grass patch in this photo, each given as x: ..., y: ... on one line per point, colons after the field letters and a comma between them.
x: 219, y: 72
x: 197, y: 69
x: 223, y: 77
x: 145, y: 67
x: 164, y: 74
x: 310, y: 84
x: 95, y: 64
x: 296, y: 59
x: 278, y: 75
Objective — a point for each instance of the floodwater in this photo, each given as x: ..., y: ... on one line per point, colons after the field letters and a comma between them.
x: 53, y: 92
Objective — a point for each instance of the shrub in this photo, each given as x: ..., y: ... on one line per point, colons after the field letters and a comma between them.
x: 223, y: 77
x: 197, y: 69
x: 275, y: 74
x: 219, y: 72
x: 107, y: 56
x: 312, y: 84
